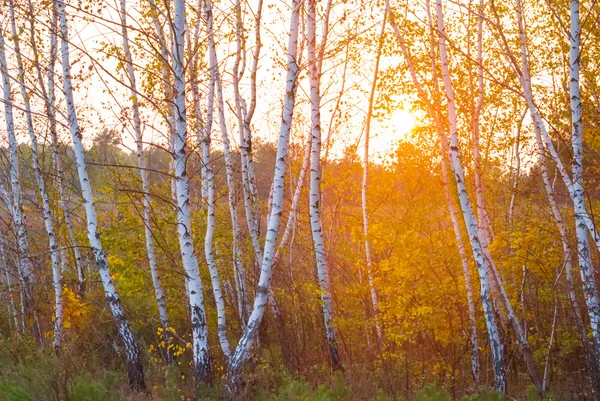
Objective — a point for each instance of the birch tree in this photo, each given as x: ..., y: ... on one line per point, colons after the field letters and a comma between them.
x: 241, y: 353
x: 215, y: 78
x: 584, y: 223
x: 25, y: 265
x: 365, y: 183
x: 444, y: 147
x: 244, y: 119
x: 147, y: 206
x: 201, y: 357
x: 46, y: 209
x: 583, y: 246
x: 12, y: 309
x: 467, y: 210
x: 48, y: 95
x: 459, y: 176
x: 316, y: 222
x: 135, y: 370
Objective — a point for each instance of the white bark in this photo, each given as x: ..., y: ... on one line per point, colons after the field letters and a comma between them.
x: 201, y: 359
x: 12, y: 310
x: 316, y: 222
x: 215, y: 78
x: 524, y: 76
x: 292, y: 216
x: 147, y: 206
x: 167, y: 87
x: 25, y: 265
x: 46, y: 209
x: 454, y: 216
x: 365, y: 183
x: 483, y: 221
x: 134, y: 363
x: 49, y: 97
x: 208, y: 189
x: 248, y: 338
x: 244, y: 118
x: 467, y: 210
x: 517, y: 174
x: 520, y: 333
x: 590, y: 356
x: 575, y: 187
x: 583, y: 249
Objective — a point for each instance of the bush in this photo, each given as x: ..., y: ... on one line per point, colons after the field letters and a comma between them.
x: 431, y: 392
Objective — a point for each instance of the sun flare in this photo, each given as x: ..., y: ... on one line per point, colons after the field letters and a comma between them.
x: 402, y: 122
x: 388, y: 131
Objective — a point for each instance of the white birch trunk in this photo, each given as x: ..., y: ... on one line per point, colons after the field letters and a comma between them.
x: 12, y: 309
x: 315, y: 189
x: 289, y: 227
x: 365, y: 183
x: 135, y: 369
x: 201, y: 358
x: 167, y: 87
x: 583, y: 249
x: 46, y: 209
x: 25, y: 264
x: 521, y: 336
x: 454, y: 217
x: 147, y: 206
x: 575, y: 187
x: 525, y: 80
x: 234, y: 369
x: 482, y: 216
x: 216, y: 81
x: 49, y: 97
x: 467, y: 210
x: 247, y: 164
x: 465, y: 266
x: 590, y: 355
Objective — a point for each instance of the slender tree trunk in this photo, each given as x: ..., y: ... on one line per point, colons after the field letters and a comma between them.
x: 167, y: 87
x: 234, y: 369
x: 289, y: 227
x: 583, y: 249
x: 12, y: 309
x: 248, y: 176
x: 467, y: 210
x: 522, y: 71
x: 216, y: 81
x: 588, y: 348
x: 575, y: 187
x: 483, y: 220
x: 515, y: 188
x: 201, y: 358
x: 50, y: 105
x: 135, y: 369
x: 316, y: 222
x: 25, y: 265
x: 365, y: 183
x: 147, y: 206
x: 521, y: 336
x: 209, y: 186
x: 465, y: 266
x: 46, y: 209
x: 453, y: 213
x: 470, y: 222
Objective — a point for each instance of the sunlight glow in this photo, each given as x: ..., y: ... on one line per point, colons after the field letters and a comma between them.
x: 402, y: 122
x: 387, y: 133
